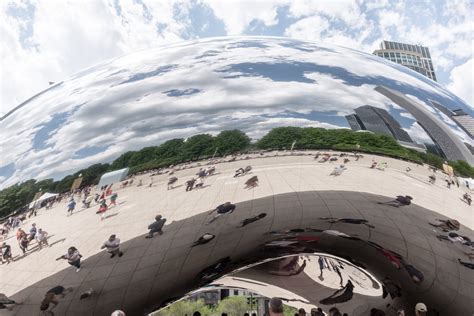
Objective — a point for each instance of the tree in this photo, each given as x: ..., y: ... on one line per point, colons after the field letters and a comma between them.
x: 198, y: 146
x: 186, y: 307
x: 122, y: 161
x: 228, y: 142
x: 233, y: 306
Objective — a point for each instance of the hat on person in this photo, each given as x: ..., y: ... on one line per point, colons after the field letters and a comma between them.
x: 117, y: 313
x: 420, y: 307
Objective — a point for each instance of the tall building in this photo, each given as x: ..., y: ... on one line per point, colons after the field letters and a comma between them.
x: 378, y: 121
x: 415, y: 57
x: 461, y: 118
x: 441, y: 134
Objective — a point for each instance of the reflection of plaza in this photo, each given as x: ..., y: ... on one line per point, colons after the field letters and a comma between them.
x: 334, y: 272
x: 305, y: 208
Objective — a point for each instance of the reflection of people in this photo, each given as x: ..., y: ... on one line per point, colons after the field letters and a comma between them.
x: 4, y: 301
x: 447, y: 225
x: 321, y: 265
x: 156, y: 226
x: 420, y: 309
x: 50, y: 297
x: 249, y: 220
x: 400, y: 200
x: 204, y: 239
x: 340, y: 296
x: 466, y: 264
x: 251, y: 183
x: 333, y: 220
x: 289, y: 267
x: 222, y: 209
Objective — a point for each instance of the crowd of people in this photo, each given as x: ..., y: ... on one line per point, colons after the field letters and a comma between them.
x: 107, y: 198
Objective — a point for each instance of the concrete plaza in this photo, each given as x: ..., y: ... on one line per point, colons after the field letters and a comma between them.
x: 152, y: 269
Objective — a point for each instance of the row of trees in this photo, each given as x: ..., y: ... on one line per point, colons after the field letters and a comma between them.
x: 233, y: 306
x: 201, y: 146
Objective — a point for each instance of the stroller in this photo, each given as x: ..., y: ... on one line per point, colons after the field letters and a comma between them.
x: 171, y: 181
x: 251, y: 183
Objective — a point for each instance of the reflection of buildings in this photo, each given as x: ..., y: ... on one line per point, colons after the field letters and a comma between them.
x: 461, y: 118
x: 379, y: 121
x: 255, y: 302
x: 415, y: 57
x: 451, y: 145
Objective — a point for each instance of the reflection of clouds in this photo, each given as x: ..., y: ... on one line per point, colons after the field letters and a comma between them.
x: 178, y: 95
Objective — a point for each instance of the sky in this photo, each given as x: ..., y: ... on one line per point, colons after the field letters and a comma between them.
x: 48, y: 41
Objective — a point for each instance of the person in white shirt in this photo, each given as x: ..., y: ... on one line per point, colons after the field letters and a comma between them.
x: 73, y: 257
x: 41, y: 238
x: 113, y: 246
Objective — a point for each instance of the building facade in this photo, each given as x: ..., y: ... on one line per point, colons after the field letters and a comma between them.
x: 452, y: 147
x: 378, y: 121
x: 415, y: 57
x: 461, y: 118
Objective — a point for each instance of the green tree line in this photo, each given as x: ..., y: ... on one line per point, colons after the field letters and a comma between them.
x: 202, y: 146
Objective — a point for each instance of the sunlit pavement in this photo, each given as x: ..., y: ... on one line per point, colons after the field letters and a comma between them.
x: 137, y: 207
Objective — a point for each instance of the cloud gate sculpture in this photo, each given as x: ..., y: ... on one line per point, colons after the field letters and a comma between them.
x: 234, y: 170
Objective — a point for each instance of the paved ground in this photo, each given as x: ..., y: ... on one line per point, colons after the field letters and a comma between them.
x: 142, y: 275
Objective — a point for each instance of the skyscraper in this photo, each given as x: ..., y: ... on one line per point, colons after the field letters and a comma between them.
x: 461, y: 118
x: 451, y: 145
x: 415, y: 57
x: 378, y: 121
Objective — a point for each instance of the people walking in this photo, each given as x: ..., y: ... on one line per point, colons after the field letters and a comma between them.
x: 73, y: 257
x: 6, y: 252
x: 41, y: 238
x: 102, y: 209
x: 156, y: 226
x: 113, y: 199
x: 70, y: 206
x: 113, y: 246
x: 32, y: 232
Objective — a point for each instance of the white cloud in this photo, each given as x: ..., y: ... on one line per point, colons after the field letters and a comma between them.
x: 461, y: 82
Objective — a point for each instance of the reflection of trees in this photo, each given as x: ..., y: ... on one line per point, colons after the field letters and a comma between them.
x: 200, y: 146
x: 233, y: 306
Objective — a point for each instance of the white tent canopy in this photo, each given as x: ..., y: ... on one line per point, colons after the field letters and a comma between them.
x: 43, y: 197
x: 112, y: 177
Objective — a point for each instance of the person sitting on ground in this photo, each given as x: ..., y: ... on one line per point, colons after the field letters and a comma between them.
x: 399, y: 201
x: 447, y: 225
x: 156, y: 226
x: 41, y: 238
x: 113, y: 246
x: 204, y: 239
x: 275, y: 307
x: 50, y: 297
